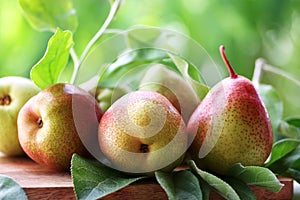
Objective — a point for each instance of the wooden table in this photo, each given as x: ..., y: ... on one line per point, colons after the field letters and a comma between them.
x: 40, y: 183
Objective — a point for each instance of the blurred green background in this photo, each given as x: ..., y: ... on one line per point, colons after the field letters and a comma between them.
x: 249, y: 29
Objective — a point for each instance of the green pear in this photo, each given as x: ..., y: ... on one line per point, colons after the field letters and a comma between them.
x: 59, y: 121
x: 231, y: 125
x: 170, y: 84
x: 142, y: 132
x: 107, y: 96
x: 14, y: 93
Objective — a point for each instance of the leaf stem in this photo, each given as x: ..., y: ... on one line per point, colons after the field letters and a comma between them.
x: 113, y: 10
x: 74, y: 56
x: 113, y: 31
x: 257, y: 72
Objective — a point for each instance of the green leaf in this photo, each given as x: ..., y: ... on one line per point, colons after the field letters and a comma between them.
x: 49, y: 15
x: 273, y: 104
x: 180, y: 185
x: 205, y: 189
x: 104, y: 59
x: 290, y: 160
x: 93, y: 180
x: 289, y: 130
x: 184, y: 67
x: 241, y: 188
x: 129, y: 68
x: 294, y: 121
x: 285, y: 85
x: 296, y: 165
x: 294, y: 173
x: 223, y: 188
x: 281, y: 149
x: 10, y: 190
x: 258, y: 176
x: 47, y: 71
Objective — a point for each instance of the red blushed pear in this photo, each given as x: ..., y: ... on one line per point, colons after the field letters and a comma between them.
x: 59, y: 121
x: 231, y: 125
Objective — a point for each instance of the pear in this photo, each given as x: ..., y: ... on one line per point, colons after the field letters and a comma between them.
x: 14, y: 93
x: 59, y: 121
x: 143, y: 132
x: 231, y: 125
x: 106, y: 96
x: 159, y: 78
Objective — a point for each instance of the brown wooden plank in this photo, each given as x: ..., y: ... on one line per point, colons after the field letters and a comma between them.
x: 63, y: 193
x: 41, y: 183
x: 31, y: 175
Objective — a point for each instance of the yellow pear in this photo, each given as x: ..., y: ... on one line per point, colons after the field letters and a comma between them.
x: 142, y: 132
x: 14, y: 93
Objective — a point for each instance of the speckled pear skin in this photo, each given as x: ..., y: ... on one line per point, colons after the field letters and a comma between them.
x: 143, y: 132
x: 231, y: 125
x: 50, y: 122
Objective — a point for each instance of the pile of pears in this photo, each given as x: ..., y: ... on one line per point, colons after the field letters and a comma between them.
x: 153, y: 128
x: 144, y: 131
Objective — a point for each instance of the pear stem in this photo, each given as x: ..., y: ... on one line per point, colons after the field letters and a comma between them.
x: 229, y: 67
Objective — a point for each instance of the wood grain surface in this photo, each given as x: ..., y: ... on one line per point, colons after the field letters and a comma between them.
x: 40, y: 183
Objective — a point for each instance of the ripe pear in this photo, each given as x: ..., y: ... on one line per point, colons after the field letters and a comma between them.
x: 59, y: 121
x: 170, y: 84
x: 231, y: 125
x: 14, y: 93
x: 142, y: 132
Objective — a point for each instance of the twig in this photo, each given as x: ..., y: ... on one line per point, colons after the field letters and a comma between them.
x: 113, y: 10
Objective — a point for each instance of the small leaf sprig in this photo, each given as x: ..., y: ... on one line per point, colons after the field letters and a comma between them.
x: 55, y: 16
x: 113, y: 10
